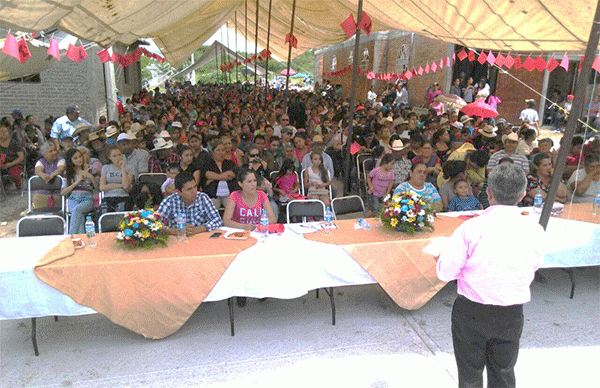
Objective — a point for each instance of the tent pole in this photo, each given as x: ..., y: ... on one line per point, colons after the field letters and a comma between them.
x: 256, y: 54
x: 289, y: 59
x: 223, y: 57
x: 576, y: 109
x: 217, y: 61
x: 268, y: 41
x: 236, y: 48
x: 246, y: 36
x: 228, y: 53
x: 348, y: 164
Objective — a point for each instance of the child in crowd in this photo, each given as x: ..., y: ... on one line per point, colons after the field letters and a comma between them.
x: 316, y: 179
x: 380, y: 182
x: 463, y: 201
x: 286, y: 182
x: 476, y: 162
x: 168, y: 186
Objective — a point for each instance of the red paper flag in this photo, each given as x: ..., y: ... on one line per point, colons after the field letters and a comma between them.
x: 482, y: 57
x: 441, y: 66
x: 354, y: 148
x: 427, y: 68
x: 24, y: 53
x: 408, y: 74
x: 491, y: 58
x: 529, y: 64
x: 462, y: 55
x: 72, y: 53
x: 420, y: 71
x: 349, y: 26
x: 500, y: 60
x: 53, y: 49
x: 365, y: 23
x: 434, y: 67
x: 471, y: 56
x: 540, y: 64
x: 564, y: 63
x: 288, y: 38
x: 82, y: 54
x: 448, y: 60
x: 580, y: 63
x: 596, y: 64
x: 552, y: 64
x: 509, y: 61
x: 454, y: 57
x: 10, y: 46
x: 518, y: 63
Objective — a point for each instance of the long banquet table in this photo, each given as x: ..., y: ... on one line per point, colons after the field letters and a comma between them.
x: 130, y: 287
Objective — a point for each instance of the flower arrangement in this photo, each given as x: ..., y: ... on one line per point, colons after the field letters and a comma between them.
x: 406, y: 212
x: 142, y: 229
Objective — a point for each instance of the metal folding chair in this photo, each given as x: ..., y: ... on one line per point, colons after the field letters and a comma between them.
x: 109, y: 222
x: 40, y: 225
x: 36, y: 183
x: 348, y: 207
x: 159, y: 178
x: 304, y: 208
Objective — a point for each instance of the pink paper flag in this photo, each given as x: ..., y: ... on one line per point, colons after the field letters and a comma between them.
x: 354, y: 148
x: 441, y: 66
x: 462, y: 55
x: 104, y: 56
x: 552, y: 64
x: 509, y: 61
x: 420, y: 71
x: 596, y: 64
x: 434, y: 67
x: 427, y: 68
x: 53, y: 49
x: 564, y: 63
x: 10, y: 46
x: 482, y: 58
x: 408, y: 74
x: 349, y: 26
x: 529, y: 64
x: 500, y: 60
x: 448, y: 60
x: 580, y: 63
x: 72, y: 53
x: 491, y: 58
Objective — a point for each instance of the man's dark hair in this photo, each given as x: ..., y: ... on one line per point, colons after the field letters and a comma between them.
x: 181, y: 179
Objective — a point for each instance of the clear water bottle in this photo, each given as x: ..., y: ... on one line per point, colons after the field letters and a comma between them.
x: 181, y: 236
x: 264, y: 224
x: 90, y: 231
x: 363, y: 224
x: 538, y: 203
x: 596, y: 205
x: 328, y: 220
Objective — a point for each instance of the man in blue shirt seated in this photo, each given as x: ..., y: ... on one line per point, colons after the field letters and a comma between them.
x: 199, y: 212
x: 65, y: 126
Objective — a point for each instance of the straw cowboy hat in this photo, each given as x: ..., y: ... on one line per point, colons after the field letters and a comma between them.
x: 488, y: 131
x: 164, y: 134
x: 397, y: 145
x: 161, y: 144
x: 512, y: 136
x: 399, y: 121
x: 80, y: 128
x: 111, y: 130
x: 135, y: 128
x: 94, y: 136
x: 465, y: 118
x: 317, y: 140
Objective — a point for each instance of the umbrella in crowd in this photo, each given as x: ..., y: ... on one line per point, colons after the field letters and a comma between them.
x: 285, y: 72
x: 451, y: 101
x: 480, y: 109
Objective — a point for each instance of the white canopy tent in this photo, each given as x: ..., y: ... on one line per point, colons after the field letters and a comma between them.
x: 180, y: 27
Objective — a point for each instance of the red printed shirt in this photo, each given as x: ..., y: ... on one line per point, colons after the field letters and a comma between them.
x: 245, y: 214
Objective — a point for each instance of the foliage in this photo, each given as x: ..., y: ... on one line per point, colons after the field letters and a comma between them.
x: 406, y: 212
x: 142, y: 229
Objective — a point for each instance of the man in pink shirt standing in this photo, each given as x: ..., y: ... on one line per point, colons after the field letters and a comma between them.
x: 494, y: 258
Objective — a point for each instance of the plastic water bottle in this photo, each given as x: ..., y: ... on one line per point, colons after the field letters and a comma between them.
x: 538, y: 203
x: 328, y: 220
x: 363, y: 224
x: 596, y: 205
x: 90, y: 231
x: 264, y: 225
x: 181, y: 236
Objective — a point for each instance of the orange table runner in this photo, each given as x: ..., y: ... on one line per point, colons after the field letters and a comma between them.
x: 395, y: 260
x: 152, y: 292
x: 580, y: 212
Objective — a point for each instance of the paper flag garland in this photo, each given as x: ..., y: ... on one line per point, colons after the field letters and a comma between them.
x: 53, y: 49
x: 11, y: 47
x: 349, y: 25
x: 441, y: 64
x: 529, y: 64
x: 82, y: 54
x: 104, y: 56
x: 365, y: 23
x: 500, y: 60
x: 491, y: 58
x: 518, y: 63
x: 540, y: 64
x: 509, y: 61
x: 564, y: 63
x: 462, y: 55
x: 434, y: 67
x: 448, y: 60
x: 427, y: 68
x: 24, y: 53
x: 420, y: 71
x: 72, y: 53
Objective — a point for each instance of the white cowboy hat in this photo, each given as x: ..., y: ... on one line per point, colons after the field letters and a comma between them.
x: 111, y: 131
x: 161, y: 144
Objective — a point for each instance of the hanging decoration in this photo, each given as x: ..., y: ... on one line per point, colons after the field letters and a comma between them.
x: 74, y: 54
x: 349, y: 26
x: 10, y: 46
x: 53, y: 49
x: 24, y: 53
x: 291, y: 39
x: 262, y: 56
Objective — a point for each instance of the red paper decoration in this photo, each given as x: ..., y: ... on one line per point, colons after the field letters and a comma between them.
x: 518, y: 63
x: 580, y: 63
x: 427, y: 68
x: 24, y: 53
x: 500, y: 60
x: 448, y: 60
x: 441, y: 64
x: 434, y: 67
x: 482, y: 58
x: 74, y: 54
x: 509, y: 61
x: 540, y: 64
x: 552, y: 64
x: 529, y: 64
x: 349, y: 25
x: 596, y: 64
x: 420, y: 71
x: 471, y: 56
x: 291, y: 39
x: 462, y: 55
x: 365, y: 23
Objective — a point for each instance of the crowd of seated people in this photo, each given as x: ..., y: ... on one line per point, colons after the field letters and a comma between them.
x: 212, y: 132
